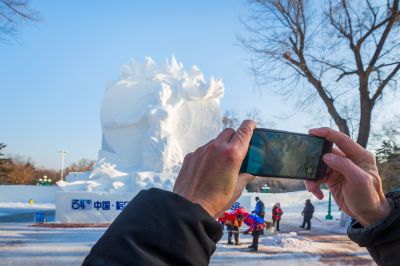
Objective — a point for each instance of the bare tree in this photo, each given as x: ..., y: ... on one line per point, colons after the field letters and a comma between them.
x: 22, y: 171
x: 255, y: 115
x: 230, y: 120
x: 345, y: 53
x: 82, y: 165
x: 14, y: 13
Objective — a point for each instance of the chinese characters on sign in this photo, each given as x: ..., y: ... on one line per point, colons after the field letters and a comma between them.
x: 86, y: 204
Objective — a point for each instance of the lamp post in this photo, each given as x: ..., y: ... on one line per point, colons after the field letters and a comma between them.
x: 62, y: 153
x: 329, y: 215
x: 44, y: 181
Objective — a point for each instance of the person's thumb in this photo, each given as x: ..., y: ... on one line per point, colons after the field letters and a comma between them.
x: 242, y: 182
x: 342, y: 164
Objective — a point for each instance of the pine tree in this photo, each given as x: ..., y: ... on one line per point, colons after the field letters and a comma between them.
x: 5, y: 164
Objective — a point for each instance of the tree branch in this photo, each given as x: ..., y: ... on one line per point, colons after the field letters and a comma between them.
x: 346, y: 73
x: 385, y: 34
x: 384, y: 83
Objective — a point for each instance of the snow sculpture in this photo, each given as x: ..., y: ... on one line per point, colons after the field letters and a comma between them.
x: 150, y: 119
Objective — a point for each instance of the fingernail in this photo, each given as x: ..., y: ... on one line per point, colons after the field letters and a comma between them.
x: 329, y: 157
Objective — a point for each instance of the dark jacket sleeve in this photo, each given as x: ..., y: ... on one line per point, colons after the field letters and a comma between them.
x: 382, y: 239
x: 158, y: 228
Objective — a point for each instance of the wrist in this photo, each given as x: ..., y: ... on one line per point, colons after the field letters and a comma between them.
x: 379, y: 215
x: 207, y: 207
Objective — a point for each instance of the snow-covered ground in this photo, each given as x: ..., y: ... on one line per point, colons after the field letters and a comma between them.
x: 23, y: 244
x: 293, y: 246
x: 24, y: 212
x: 325, y: 244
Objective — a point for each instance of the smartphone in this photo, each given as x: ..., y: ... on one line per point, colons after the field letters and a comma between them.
x: 275, y: 153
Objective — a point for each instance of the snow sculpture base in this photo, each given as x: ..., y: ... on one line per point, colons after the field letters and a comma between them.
x: 90, y: 207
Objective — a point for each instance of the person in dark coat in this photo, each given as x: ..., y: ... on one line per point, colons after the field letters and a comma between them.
x: 188, y: 234
x: 276, y: 215
x: 307, y: 213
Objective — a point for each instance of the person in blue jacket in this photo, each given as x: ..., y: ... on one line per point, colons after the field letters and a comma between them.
x: 260, y: 208
x: 256, y: 226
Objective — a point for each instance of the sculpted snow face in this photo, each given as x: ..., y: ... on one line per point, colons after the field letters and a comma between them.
x: 155, y: 115
x: 151, y: 118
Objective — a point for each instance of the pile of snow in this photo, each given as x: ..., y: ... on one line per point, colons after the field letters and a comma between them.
x: 287, y: 240
x: 151, y: 118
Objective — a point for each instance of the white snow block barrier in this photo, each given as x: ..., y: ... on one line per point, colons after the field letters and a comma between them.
x: 90, y: 207
x: 24, y: 193
x: 243, y: 201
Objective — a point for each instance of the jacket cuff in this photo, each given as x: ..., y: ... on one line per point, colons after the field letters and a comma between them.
x: 378, y: 233
x: 199, y: 213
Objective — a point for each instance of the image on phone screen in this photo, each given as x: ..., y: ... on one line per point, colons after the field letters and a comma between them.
x: 284, y: 154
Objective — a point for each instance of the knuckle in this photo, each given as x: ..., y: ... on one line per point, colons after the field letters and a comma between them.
x: 362, y: 181
x: 245, y: 130
x: 370, y: 156
x: 188, y: 157
x: 198, y: 151
x: 344, y: 136
x: 232, y: 153
x: 229, y: 130
x: 212, y: 146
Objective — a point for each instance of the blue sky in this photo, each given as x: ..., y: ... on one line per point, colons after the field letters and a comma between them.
x: 52, y: 81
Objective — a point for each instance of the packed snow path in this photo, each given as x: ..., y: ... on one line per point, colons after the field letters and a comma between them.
x: 293, y: 246
x: 22, y: 244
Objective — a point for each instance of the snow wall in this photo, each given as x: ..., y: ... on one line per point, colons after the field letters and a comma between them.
x: 23, y: 193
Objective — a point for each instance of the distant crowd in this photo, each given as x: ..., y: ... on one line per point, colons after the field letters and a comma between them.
x: 235, y: 218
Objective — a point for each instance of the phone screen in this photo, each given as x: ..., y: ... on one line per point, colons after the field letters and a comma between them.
x: 283, y: 154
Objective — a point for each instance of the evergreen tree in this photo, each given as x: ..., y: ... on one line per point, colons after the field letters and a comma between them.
x: 5, y: 164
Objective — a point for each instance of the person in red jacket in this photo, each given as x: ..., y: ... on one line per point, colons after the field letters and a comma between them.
x: 233, y: 220
x: 276, y: 215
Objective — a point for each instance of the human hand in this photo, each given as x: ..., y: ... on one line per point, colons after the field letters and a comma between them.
x: 210, y: 175
x: 353, y: 179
